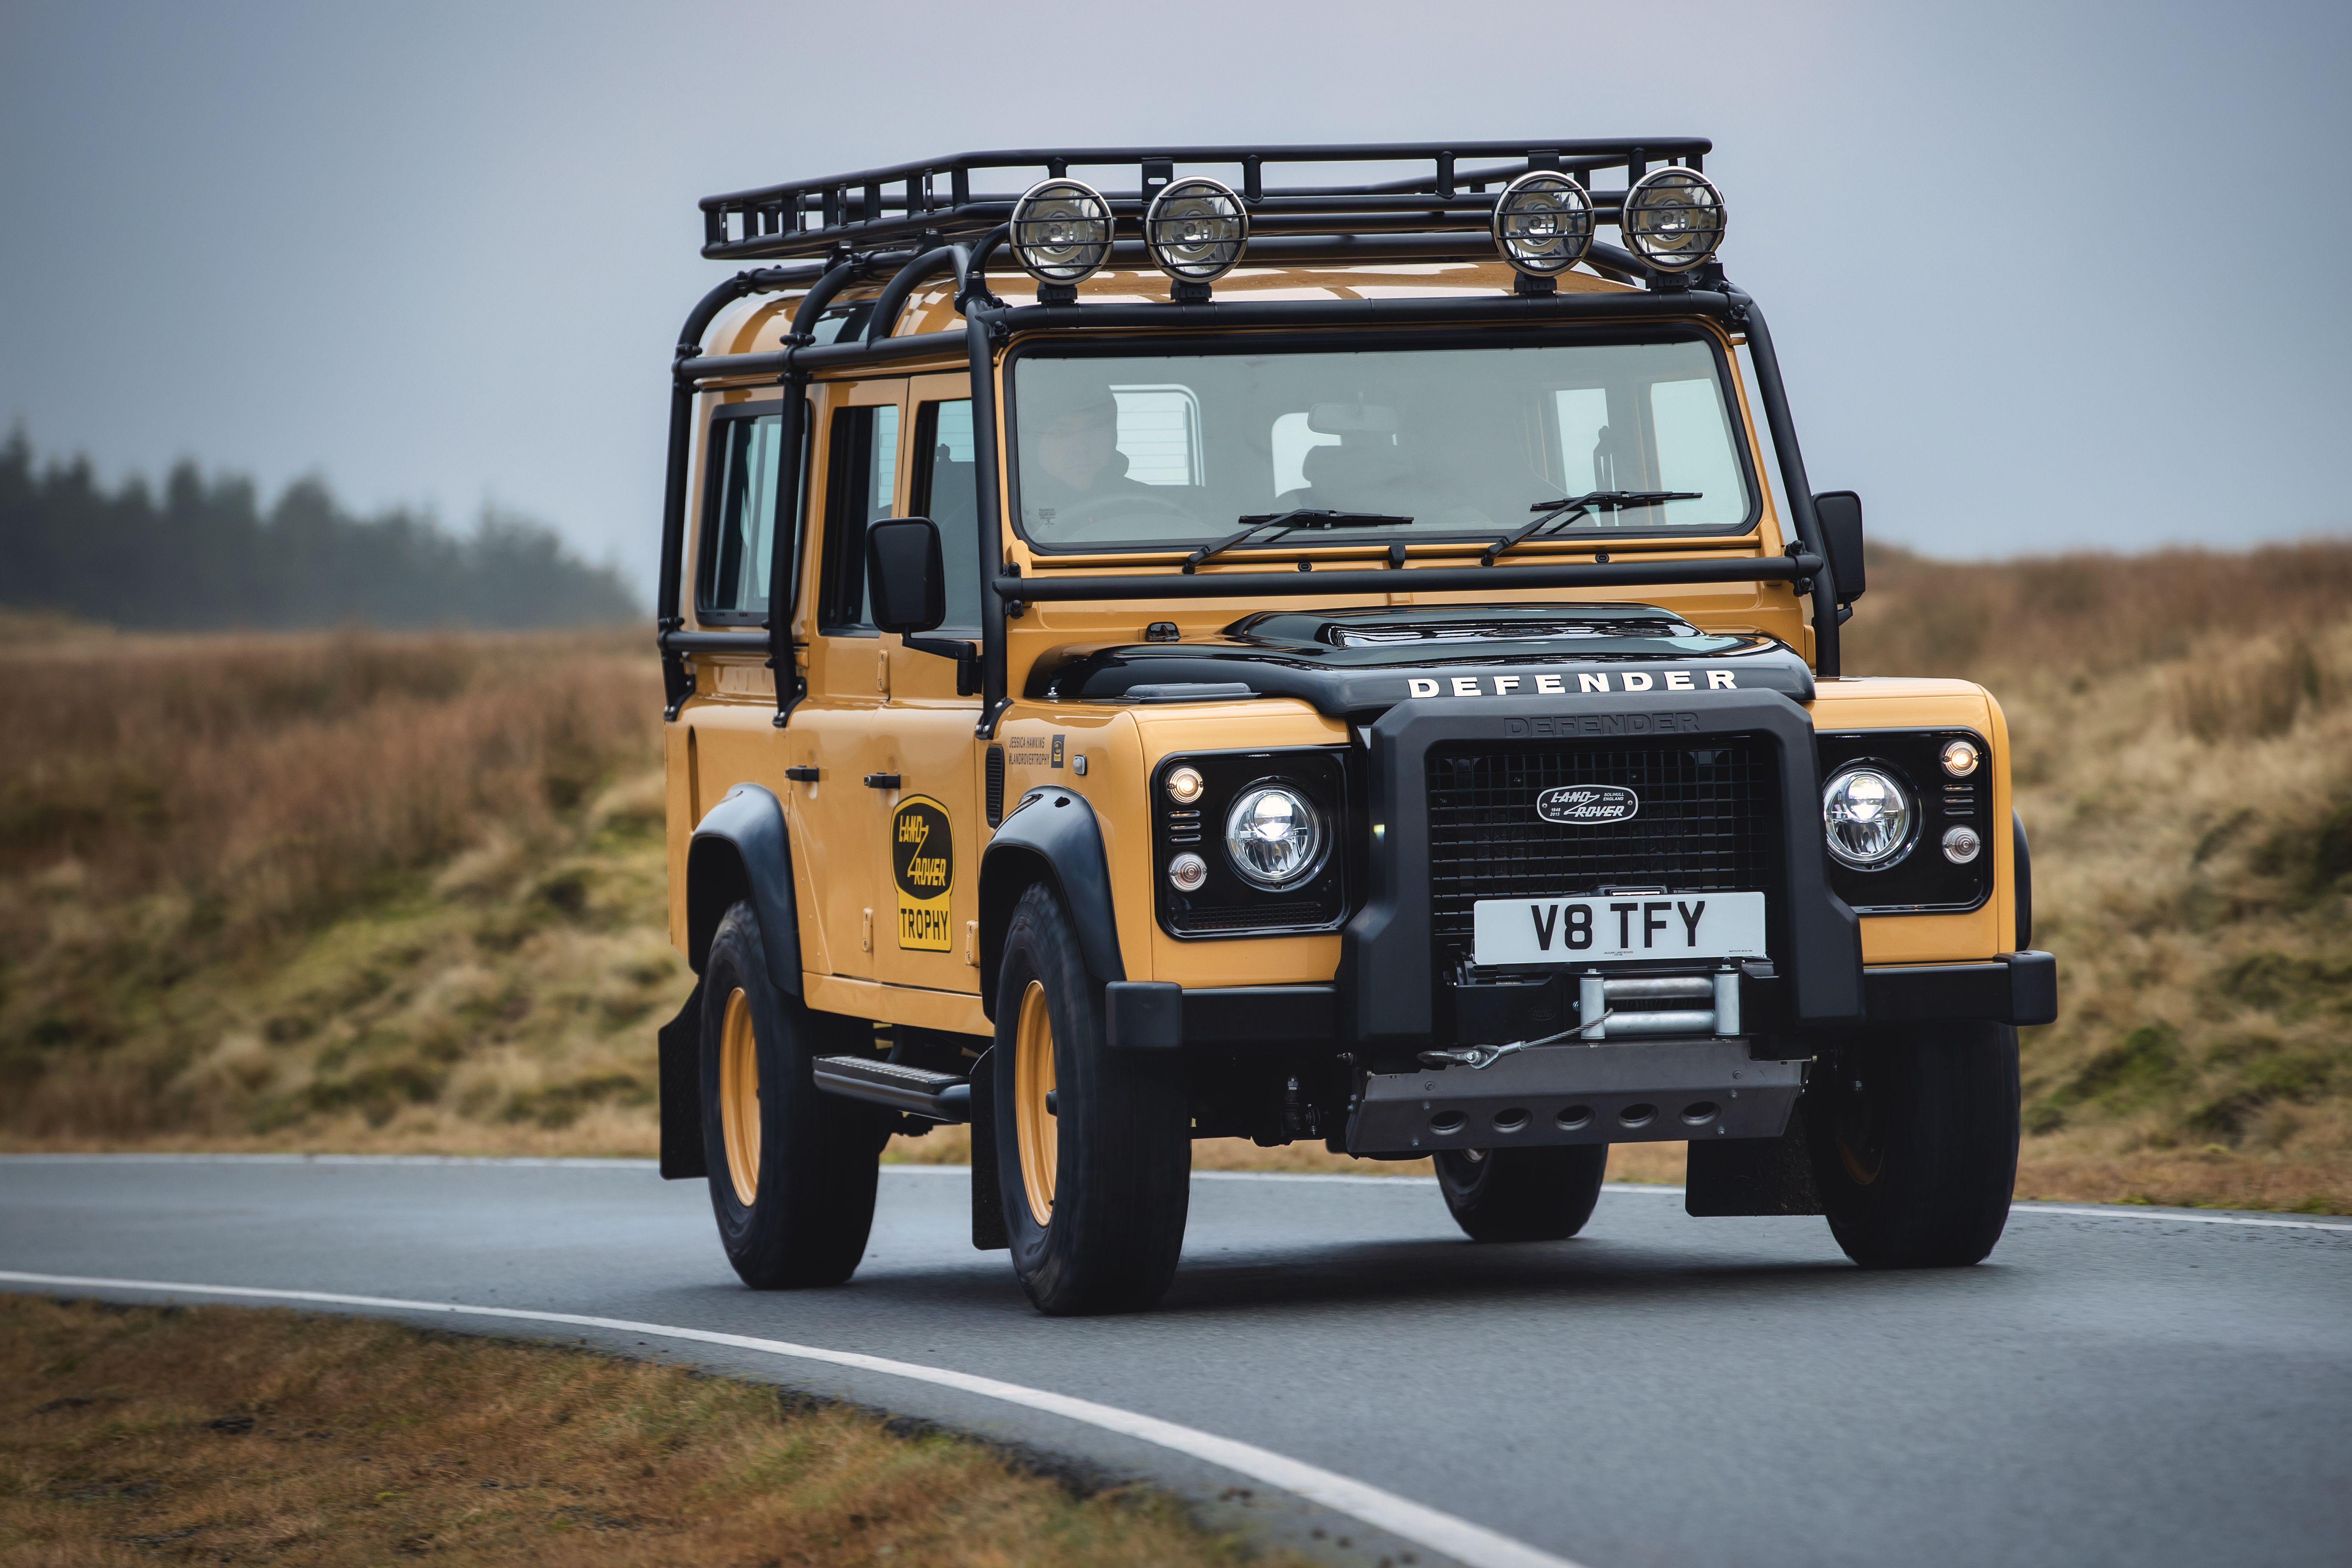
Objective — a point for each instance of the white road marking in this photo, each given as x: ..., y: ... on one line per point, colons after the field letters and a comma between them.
x: 1442, y: 1533
x: 2134, y: 1211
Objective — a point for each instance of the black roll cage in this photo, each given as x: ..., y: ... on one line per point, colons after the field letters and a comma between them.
x: 865, y: 233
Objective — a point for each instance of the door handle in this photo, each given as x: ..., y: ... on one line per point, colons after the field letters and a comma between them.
x: 881, y: 781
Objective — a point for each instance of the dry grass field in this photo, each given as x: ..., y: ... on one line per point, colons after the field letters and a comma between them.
x: 230, y: 1435
x: 373, y: 892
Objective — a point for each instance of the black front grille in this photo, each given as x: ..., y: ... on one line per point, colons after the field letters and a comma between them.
x: 1704, y: 825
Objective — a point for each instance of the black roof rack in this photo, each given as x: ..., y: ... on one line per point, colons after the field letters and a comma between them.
x: 937, y: 200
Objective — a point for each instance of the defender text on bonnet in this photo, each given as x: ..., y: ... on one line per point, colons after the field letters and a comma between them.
x: 1184, y: 652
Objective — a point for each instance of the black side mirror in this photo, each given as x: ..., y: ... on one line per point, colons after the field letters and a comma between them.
x: 904, y: 576
x: 907, y: 583
x: 1839, y: 514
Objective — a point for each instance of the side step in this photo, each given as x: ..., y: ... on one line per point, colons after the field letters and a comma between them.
x: 941, y: 1096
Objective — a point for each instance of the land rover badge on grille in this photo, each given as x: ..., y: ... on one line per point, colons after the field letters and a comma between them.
x: 1582, y: 805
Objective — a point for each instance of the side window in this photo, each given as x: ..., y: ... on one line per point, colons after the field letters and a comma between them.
x: 863, y: 482
x: 740, y: 516
x: 947, y: 491
x: 1159, y: 432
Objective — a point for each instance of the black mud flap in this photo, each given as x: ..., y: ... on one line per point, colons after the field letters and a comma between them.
x: 1752, y: 1175
x: 988, y: 1232
x: 681, y: 1092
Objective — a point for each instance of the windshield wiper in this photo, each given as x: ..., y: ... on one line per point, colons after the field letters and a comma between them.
x: 1564, y: 513
x: 1288, y: 522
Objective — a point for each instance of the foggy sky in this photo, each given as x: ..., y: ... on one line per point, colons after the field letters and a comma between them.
x: 2041, y: 276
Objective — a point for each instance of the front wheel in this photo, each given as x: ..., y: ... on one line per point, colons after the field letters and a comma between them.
x: 792, y: 1169
x: 1915, y: 1143
x: 1095, y: 1146
x: 1522, y: 1194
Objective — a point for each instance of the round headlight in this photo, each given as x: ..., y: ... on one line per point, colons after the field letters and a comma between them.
x: 1962, y: 845
x: 1543, y: 223
x: 1185, y: 785
x: 1959, y: 758
x: 1195, y: 229
x: 1672, y: 218
x: 1061, y: 231
x: 1273, y: 837
x: 1867, y: 819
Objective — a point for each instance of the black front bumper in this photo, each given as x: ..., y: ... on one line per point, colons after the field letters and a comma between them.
x: 2009, y: 988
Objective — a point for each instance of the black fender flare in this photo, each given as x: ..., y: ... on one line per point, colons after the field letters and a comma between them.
x: 1050, y: 836
x: 2023, y: 874
x: 742, y: 849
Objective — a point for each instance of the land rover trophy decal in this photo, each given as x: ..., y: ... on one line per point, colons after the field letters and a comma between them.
x: 922, y: 862
x: 1584, y: 805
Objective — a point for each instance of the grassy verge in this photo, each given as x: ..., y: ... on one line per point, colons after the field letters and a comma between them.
x: 224, y: 1434
x: 331, y: 892
x: 396, y: 893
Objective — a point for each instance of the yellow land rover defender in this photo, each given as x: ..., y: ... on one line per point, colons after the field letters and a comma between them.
x: 1298, y: 643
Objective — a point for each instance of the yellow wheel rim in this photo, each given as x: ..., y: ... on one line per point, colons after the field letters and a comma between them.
x: 1032, y: 1080
x: 738, y: 1095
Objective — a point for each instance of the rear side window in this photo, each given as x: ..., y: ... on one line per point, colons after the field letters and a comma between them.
x: 741, y: 516
x: 863, y: 482
x: 947, y: 491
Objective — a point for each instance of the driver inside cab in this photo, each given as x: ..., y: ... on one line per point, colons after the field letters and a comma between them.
x: 1074, y: 477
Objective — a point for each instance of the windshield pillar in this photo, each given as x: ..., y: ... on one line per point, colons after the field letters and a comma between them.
x: 1827, y: 654
x: 977, y: 319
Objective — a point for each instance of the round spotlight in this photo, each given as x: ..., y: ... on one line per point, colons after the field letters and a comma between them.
x: 1962, y: 845
x: 1672, y: 218
x: 1185, y: 785
x: 1543, y: 223
x: 1195, y: 229
x: 1867, y: 818
x: 1061, y: 231
x: 1187, y: 872
x: 1959, y: 758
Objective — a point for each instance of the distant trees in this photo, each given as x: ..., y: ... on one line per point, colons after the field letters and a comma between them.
x: 206, y: 556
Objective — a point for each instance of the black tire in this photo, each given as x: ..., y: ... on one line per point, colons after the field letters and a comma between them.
x: 1916, y: 1165
x: 811, y: 1172
x: 1522, y: 1194
x: 1120, y: 1144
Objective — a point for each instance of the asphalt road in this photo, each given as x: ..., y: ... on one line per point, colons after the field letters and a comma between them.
x: 2124, y: 1386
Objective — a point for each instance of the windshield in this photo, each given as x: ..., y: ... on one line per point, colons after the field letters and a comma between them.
x: 1174, y: 448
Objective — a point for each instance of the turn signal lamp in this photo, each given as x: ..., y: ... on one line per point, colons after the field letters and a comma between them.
x: 1061, y: 231
x: 1672, y: 218
x: 1543, y: 223
x: 1185, y: 785
x: 1960, y: 758
x: 1195, y: 229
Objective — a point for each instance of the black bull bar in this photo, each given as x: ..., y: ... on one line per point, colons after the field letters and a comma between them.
x: 1386, y: 977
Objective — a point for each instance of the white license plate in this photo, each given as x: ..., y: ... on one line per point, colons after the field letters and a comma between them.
x: 1617, y: 927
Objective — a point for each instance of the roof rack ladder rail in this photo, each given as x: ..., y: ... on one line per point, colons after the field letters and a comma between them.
x: 884, y: 323
x: 1827, y: 654
x: 981, y: 314
x: 675, y: 687
x: 783, y: 559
